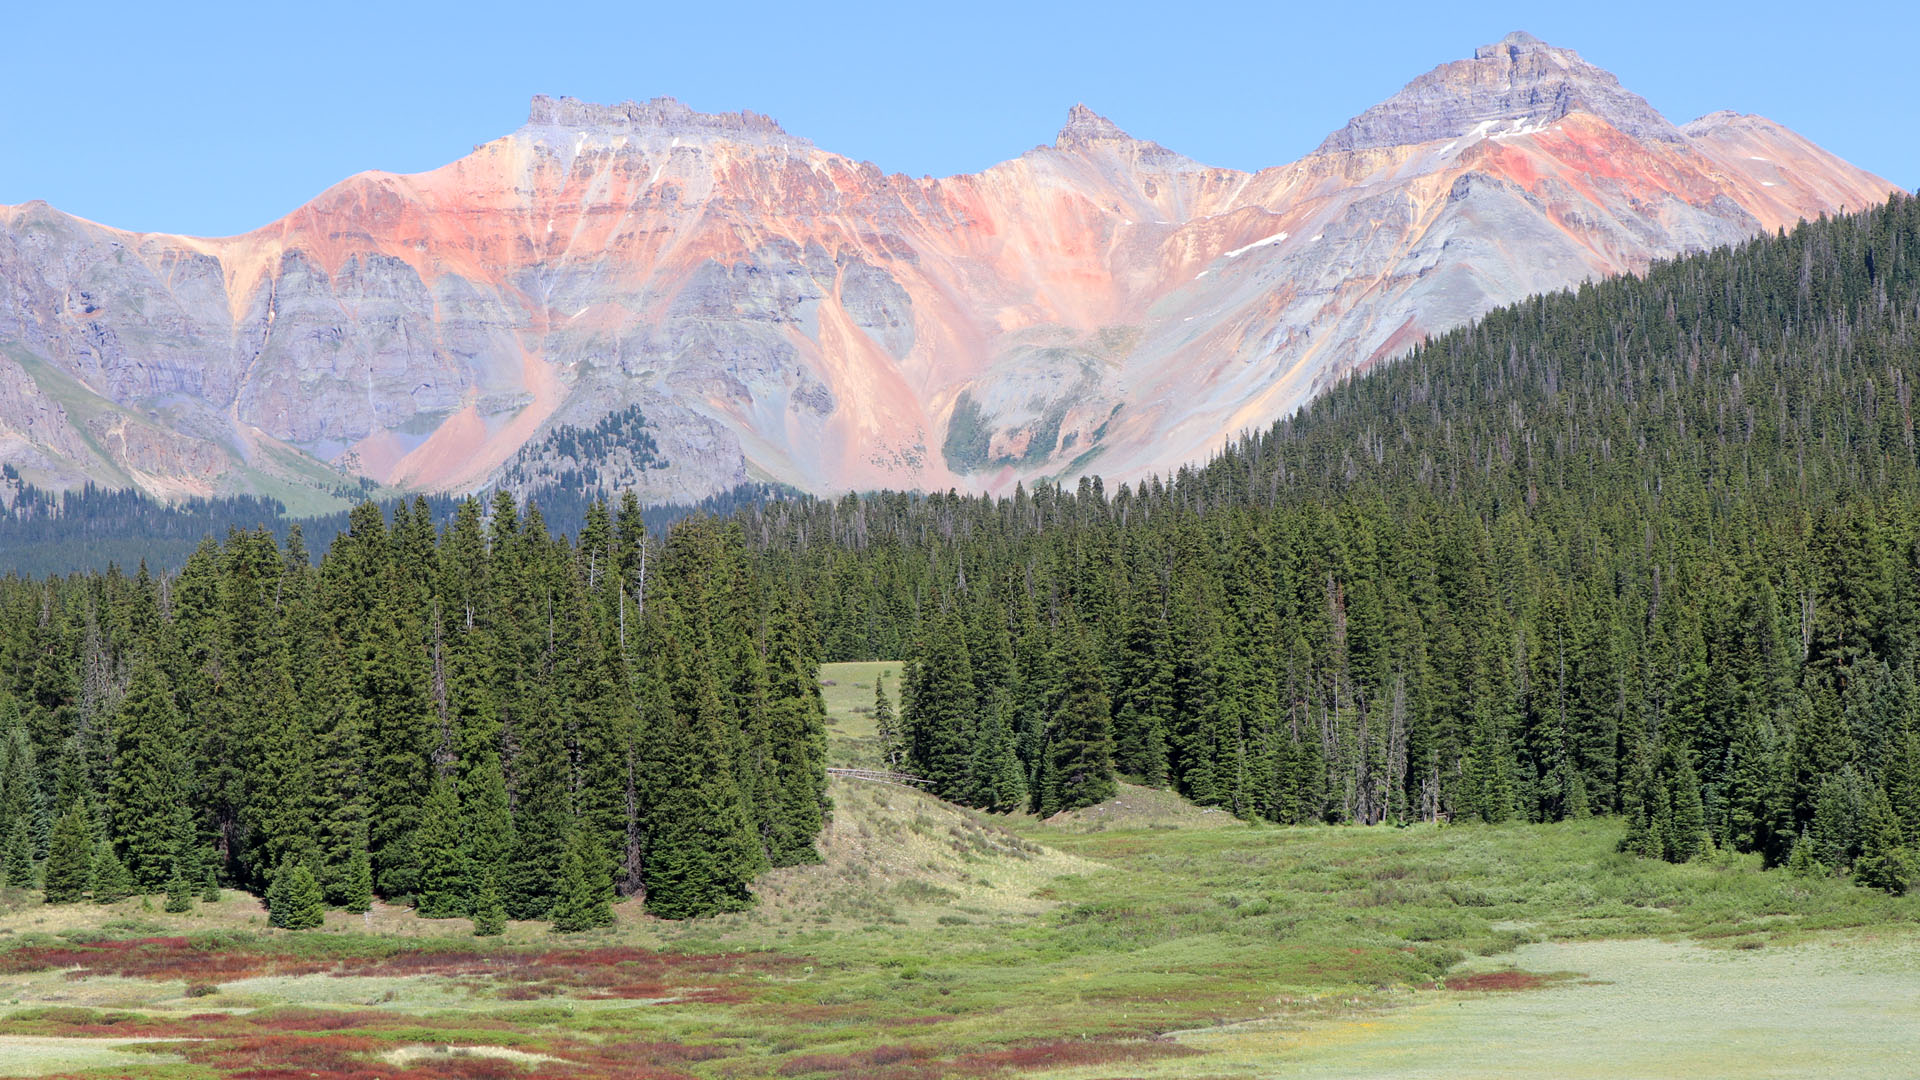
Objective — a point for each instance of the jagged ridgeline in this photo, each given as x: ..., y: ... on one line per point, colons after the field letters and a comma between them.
x: 486, y: 720
x: 1647, y: 548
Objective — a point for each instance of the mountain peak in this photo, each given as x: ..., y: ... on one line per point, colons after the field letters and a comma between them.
x: 659, y: 116
x: 1086, y: 126
x: 1517, y: 41
x: 1519, y: 80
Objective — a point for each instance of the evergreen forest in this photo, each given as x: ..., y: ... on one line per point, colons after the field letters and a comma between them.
x: 485, y: 721
x: 1650, y: 548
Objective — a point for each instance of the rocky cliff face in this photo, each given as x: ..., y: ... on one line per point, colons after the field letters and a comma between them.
x: 777, y: 311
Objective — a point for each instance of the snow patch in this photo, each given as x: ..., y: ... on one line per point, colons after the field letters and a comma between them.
x: 1239, y: 251
x: 1768, y: 183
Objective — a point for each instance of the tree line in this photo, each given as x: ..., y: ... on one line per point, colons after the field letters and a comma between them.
x: 484, y: 721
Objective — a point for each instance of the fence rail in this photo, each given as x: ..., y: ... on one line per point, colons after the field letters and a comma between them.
x: 878, y: 776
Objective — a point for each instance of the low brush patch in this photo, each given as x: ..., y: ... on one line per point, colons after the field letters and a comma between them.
x: 604, y: 973
x: 1497, y: 980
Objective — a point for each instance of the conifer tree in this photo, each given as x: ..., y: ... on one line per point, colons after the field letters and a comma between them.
x: 356, y: 895
x: 209, y: 886
x: 885, y: 727
x: 294, y: 901
x: 999, y: 783
x: 1080, y: 750
x: 489, y: 907
x: 1805, y: 862
x: 69, y: 870
x: 19, y: 855
x: 148, y: 796
x: 444, y: 884
x: 1840, y: 818
x: 486, y: 825
x: 939, y: 711
x: 702, y: 852
x: 585, y: 900
x: 1687, y: 831
x: 1885, y: 861
x: 179, y: 893
x: 112, y: 881
x: 797, y: 736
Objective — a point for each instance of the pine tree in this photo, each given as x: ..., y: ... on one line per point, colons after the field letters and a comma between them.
x: 69, y: 870
x: 937, y: 719
x: 357, y: 894
x: 1687, y: 829
x: 1805, y: 862
x: 19, y: 854
x: 999, y: 784
x: 1080, y: 750
x: 585, y: 894
x: 444, y: 881
x: 797, y: 733
x: 148, y: 796
x: 1840, y: 818
x: 1884, y: 862
x: 209, y: 886
x: 179, y: 894
x: 486, y: 826
x: 294, y: 902
x: 885, y: 727
x: 112, y: 881
x: 1640, y: 796
x: 489, y: 907
x: 703, y: 852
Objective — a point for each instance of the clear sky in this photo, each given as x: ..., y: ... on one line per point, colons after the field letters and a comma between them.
x: 214, y: 118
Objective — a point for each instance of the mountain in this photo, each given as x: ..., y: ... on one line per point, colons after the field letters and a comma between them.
x: 643, y: 295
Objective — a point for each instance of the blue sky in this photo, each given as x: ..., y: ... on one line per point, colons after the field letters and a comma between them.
x: 217, y: 118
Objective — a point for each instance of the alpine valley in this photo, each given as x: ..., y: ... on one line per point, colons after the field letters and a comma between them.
x: 643, y: 296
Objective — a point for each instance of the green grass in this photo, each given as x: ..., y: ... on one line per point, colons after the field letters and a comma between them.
x: 1141, y: 938
x: 848, y: 691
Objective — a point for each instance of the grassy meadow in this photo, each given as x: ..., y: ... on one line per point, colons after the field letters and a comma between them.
x: 1141, y: 938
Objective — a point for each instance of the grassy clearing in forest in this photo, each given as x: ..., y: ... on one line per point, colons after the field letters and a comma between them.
x: 848, y: 692
x: 1144, y: 937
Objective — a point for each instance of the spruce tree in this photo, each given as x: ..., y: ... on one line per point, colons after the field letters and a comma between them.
x: 294, y: 902
x: 148, y: 796
x: 999, y: 784
x: 112, y: 881
x: 19, y: 855
x: 1687, y: 829
x: 489, y: 906
x: 886, y: 731
x: 444, y: 881
x: 939, y: 711
x: 797, y: 737
x: 585, y: 893
x: 486, y: 826
x: 1805, y: 862
x: 179, y: 893
x: 356, y: 894
x: 1840, y: 818
x: 209, y: 886
x: 703, y: 852
x: 1885, y: 861
x: 1080, y: 750
x: 69, y: 870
